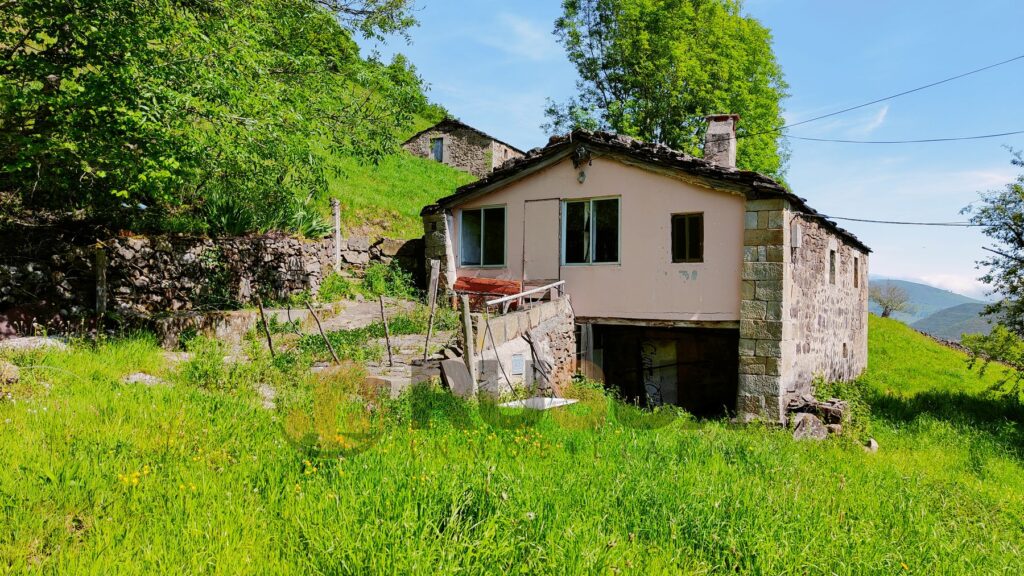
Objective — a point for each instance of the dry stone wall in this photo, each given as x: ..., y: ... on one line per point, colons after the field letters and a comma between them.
x: 50, y: 273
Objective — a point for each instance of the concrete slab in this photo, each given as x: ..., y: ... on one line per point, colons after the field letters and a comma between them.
x: 539, y: 403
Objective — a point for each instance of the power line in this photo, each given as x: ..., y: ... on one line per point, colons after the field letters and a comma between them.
x: 904, y: 93
x: 921, y: 141
x: 894, y: 222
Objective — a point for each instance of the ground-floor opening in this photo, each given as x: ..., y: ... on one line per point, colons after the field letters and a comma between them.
x: 695, y: 368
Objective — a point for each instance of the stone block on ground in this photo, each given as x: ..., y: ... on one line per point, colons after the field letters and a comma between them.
x: 144, y: 379
x: 808, y: 427
x: 31, y: 343
x: 456, y: 377
x: 9, y: 373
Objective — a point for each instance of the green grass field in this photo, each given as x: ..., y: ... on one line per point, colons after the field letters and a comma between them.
x: 99, y: 476
x: 386, y: 198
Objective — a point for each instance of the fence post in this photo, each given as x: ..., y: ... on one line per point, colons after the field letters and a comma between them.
x: 336, y: 209
x: 470, y: 353
x: 101, y: 281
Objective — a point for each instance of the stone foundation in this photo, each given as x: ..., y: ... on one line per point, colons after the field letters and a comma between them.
x: 545, y: 337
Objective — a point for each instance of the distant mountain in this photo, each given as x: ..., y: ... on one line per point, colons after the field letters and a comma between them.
x: 951, y: 323
x: 926, y: 300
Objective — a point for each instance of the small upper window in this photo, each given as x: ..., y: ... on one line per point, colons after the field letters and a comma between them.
x: 687, y: 237
x: 856, y: 272
x: 437, y: 149
x: 483, y: 237
x: 591, y: 231
x: 831, y: 266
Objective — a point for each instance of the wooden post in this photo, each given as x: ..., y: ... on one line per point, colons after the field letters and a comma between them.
x: 336, y: 209
x: 387, y: 332
x: 470, y: 353
x: 435, y: 274
x: 322, y: 334
x: 101, y: 281
x: 266, y: 327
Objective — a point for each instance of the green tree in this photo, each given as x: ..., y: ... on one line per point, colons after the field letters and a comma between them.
x: 654, y: 69
x: 193, y: 115
x: 1000, y: 214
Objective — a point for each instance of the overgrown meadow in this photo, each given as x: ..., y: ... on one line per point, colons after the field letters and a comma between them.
x: 102, y: 476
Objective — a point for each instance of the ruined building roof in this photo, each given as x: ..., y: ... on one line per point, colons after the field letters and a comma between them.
x: 449, y: 123
x: 753, y: 185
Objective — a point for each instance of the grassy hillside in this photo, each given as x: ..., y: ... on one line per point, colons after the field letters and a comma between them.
x: 952, y: 323
x: 926, y: 300
x: 195, y: 477
x: 387, y: 198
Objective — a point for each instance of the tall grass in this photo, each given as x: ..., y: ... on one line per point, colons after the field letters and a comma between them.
x: 101, y: 476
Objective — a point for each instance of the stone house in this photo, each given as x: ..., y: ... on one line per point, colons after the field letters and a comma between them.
x: 461, y: 146
x: 692, y: 282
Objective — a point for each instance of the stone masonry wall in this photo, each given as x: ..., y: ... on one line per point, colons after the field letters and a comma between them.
x: 825, y: 331
x: 502, y: 153
x: 464, y: 149
x: 761, y: 310
x: 51, y: 276
x: 437, y: 244
x: 552, y: 329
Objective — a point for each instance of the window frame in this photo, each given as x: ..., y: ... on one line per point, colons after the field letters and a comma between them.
x: 564, y: 217
x: 433, y: 154
x: 672, y: 236
x: 483, y: 234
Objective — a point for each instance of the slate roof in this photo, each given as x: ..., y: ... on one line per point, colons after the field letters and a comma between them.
x: 448, y: 123
x: 753, y: 185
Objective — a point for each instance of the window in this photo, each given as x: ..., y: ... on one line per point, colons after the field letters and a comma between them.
x: 856, y: 272
x: 687, y: 237
x: 483, y: 236
x: 831, y: 266
x: 590, y: 231
x: 437, y: 149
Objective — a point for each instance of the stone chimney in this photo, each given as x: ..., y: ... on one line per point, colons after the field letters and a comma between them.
x: 720, y: 139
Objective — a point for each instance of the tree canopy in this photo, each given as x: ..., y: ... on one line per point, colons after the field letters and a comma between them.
x: 1000, y: 214
x: 193, y: 115
x: 654, y: 69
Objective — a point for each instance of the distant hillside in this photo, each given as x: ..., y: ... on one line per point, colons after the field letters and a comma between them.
x: 951, y: 323
x: 926, y: 300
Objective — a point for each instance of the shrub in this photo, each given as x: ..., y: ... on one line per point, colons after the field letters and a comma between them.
x: 388, y: 280
x: 336, y: 288
x: 855, y: 393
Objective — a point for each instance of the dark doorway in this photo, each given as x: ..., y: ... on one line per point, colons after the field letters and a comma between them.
x: 695, y: 368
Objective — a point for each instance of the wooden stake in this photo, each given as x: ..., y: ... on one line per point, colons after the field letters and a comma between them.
x: 470, y: 353
x: 336, y: 209
x: 322, y: 335
x: 387, y: 332
x: 266, y: 327
x: 435, y: 272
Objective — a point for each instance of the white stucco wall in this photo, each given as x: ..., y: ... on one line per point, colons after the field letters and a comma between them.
x: 645, y: 284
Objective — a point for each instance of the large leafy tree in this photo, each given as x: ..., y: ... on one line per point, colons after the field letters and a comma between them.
x: 193, y: 114
x: 1000, y: 214
x: 654, y: 68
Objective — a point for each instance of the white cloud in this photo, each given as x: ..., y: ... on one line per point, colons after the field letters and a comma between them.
x: 523, y: 38
x: 966, y: 285
x: 873, y: 123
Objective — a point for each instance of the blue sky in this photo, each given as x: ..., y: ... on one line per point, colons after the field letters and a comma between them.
x: 493, y: 64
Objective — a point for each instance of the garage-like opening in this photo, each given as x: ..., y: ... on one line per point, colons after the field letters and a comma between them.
x: 694, y: 368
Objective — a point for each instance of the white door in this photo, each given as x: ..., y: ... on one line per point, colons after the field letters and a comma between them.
x: 540, y: 241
